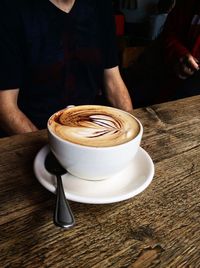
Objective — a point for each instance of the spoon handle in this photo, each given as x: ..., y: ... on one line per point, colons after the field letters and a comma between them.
x: 63, y: 215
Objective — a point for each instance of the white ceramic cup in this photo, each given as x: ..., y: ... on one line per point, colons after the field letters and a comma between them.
x: 93, y: 163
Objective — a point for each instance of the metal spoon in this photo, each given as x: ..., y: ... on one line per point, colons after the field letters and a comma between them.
x: 63, y: 215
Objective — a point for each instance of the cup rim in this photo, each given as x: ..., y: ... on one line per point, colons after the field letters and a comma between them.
x: 139, y: 134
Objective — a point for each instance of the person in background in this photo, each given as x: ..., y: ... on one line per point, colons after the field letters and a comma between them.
x: 169, y: 68
x: 181, y: 45
x: 146, y: 76
x: 55, y: 53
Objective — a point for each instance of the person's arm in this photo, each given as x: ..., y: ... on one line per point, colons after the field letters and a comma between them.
x: 175, y: 32
x: 116, y: 91
x: 177, y: 55
x: 12, y: 120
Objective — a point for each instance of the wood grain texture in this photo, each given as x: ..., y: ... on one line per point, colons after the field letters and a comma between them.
x: 160, y: 227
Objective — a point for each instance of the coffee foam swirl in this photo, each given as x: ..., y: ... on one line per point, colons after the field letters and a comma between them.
x: 97, y: 126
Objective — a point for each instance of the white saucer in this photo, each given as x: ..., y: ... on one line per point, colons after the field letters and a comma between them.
x: 131, y: 181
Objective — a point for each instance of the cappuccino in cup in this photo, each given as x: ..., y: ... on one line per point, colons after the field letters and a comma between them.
x: 97, y: 126
x: 92, y: 141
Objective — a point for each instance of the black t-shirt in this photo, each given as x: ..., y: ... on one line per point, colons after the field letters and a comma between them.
x: 55, y: 58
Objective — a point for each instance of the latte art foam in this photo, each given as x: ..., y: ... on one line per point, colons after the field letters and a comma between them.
x: 93, y: 125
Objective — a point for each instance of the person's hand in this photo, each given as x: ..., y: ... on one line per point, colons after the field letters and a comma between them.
x: 186, y: 66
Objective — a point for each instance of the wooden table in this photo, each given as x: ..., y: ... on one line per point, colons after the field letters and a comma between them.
x: 160, y: 227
